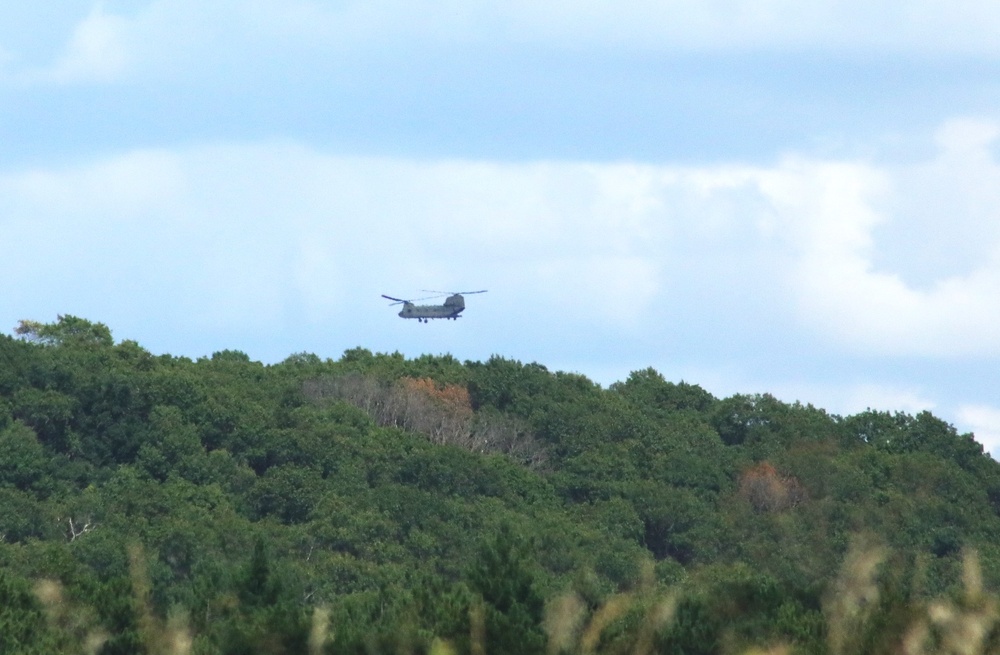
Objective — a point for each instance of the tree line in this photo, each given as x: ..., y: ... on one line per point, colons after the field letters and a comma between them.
x: 375, y: 503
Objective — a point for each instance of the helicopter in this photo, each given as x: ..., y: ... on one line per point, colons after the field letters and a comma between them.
x: 453, y: 305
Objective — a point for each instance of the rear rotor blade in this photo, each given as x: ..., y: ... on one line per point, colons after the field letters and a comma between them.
x: 401, y: 300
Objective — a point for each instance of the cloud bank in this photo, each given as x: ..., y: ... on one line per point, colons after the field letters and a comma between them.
x: 177, y: 37
x: 263, y: 221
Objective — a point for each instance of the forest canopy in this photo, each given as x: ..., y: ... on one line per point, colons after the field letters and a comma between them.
x: 376, y: 503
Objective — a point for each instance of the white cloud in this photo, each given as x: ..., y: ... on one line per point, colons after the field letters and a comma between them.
x: 96, y: 51
x: 967, y: 136
x: 615, y: 291
x: 884, y: 397
x: 832, y: 213
x: 984, y: 422
x: 835, y: 397
x: 232, y: 232
x: 963, y: 27
x: 6, y: 59
x: 183, y: 37
x: 157, y: 40
x: 124, y: 186
x: 258, y: 228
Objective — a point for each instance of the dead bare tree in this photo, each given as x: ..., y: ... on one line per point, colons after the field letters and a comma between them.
x: 441, y: 412
x: 76, y: 530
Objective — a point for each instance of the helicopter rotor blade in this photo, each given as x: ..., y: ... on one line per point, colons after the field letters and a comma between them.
x: 401, y: 300
x: 446, y: 293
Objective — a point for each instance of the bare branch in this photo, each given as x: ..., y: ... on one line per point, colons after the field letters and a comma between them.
x: 75, y: 531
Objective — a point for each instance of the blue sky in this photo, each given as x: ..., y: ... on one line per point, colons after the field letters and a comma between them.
x: 751, y: 196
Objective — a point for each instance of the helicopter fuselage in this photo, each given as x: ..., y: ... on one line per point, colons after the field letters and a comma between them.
x: 452, y: 307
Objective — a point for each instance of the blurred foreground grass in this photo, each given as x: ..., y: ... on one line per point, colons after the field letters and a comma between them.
x: 632, y: 622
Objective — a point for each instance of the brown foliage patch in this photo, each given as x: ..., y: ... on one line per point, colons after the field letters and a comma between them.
x: 768, y: 491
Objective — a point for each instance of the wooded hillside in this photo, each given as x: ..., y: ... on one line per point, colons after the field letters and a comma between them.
x: 378, y: 504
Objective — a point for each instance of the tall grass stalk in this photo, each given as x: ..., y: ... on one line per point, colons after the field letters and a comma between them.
x: 627, y: 622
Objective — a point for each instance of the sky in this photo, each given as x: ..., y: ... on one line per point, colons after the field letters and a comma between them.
x: 756, y: 196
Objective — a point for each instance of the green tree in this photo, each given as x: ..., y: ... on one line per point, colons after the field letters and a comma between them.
x: 503, y: 577
x: 649, y: 390
x: 172, y: 446
x: 50, y: 414
x: 24, y: 464
x: 24, y: 517
x: 67, y: 330
x: 270, y: 619
x: 23, y: 628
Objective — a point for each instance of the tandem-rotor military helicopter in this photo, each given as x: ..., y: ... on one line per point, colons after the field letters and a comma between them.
x: 453, y: 305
